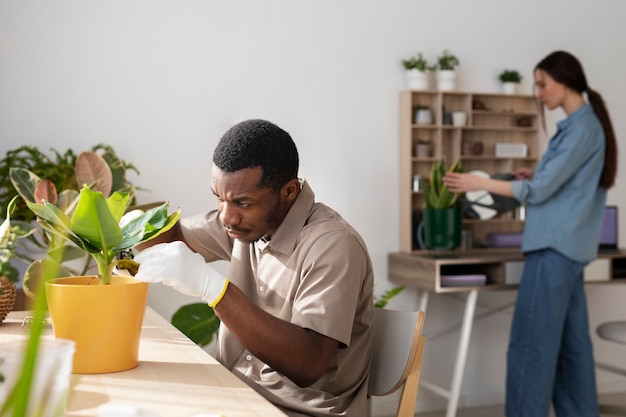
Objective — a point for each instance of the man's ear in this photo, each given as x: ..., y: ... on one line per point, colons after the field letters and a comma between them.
x: 291, y: 189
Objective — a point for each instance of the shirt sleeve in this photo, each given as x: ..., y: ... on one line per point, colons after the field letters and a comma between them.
x: 566, y: 153
x: 331, y: 284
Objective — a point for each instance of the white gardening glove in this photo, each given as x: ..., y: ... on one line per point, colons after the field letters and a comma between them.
x: 177, y: 266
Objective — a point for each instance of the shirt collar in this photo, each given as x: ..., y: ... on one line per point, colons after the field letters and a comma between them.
x: 582, y: 111
x: 286, y: 236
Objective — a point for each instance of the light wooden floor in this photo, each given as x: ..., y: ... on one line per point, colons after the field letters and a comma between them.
x: 498, y: 411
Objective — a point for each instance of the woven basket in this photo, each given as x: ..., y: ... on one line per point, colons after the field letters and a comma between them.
x: 7, y: 297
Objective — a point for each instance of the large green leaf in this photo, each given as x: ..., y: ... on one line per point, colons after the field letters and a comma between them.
x: 148, y: 226
x: 24, y: 182
x: 92, y: 221
x: 197, y: 321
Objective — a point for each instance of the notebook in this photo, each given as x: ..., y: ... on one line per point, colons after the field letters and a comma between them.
x: 609, y: 231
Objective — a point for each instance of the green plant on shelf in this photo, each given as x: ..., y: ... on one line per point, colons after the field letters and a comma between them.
x: 510, y: 76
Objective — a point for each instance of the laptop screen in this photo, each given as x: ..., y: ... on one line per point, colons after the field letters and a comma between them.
x: 608, y: 233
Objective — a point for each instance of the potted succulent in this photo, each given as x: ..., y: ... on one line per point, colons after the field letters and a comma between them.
x: 446, y: 70
x: 417, y: 72
x: 442, y: 214
x: 510, y: 79
x: 99, y: 226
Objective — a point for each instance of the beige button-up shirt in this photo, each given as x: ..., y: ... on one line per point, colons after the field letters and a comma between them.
x: 314, y: 272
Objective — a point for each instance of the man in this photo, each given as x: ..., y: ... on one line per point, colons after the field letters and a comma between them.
x: 296, y: 308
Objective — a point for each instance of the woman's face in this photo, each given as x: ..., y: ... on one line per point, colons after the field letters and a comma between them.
x: 550, y: 92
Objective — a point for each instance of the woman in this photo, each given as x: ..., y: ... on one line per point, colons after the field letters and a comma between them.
x: 550, y: 355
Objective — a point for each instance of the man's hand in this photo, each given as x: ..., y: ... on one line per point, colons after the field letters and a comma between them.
x: 175, y: 265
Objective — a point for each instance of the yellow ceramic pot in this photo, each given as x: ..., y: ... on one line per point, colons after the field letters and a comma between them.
x: 104, y: 320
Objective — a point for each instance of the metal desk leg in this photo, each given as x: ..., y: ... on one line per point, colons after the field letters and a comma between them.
x: 461, y: 353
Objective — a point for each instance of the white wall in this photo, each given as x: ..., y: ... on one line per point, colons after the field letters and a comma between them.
x: 162, y: 80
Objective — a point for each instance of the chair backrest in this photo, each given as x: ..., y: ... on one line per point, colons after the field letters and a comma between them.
x: 397, y: 356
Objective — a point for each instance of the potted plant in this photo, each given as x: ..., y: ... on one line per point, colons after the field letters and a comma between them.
x: 510, y: 80
x: 442, y: 213
x: 66, y: 172
x: 99, y: 226
x: 417, y: 72
x: 446, y: 70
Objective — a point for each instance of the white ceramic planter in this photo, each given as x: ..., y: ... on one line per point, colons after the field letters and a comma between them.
x: 446, y: 80
x: 418, y: 80
x: 509, y: 88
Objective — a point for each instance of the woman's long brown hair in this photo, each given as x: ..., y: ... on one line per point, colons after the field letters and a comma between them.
x: 565, y: 68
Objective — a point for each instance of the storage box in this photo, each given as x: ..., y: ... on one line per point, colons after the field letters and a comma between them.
x: 598, y: 270
x: 511, y: 150
x: 513, y: 272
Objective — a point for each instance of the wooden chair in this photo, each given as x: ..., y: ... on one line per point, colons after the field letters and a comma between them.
x: 397, y: 357
x: 612, y: 331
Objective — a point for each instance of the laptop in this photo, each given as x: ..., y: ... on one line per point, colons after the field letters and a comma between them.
x: 609, y: 231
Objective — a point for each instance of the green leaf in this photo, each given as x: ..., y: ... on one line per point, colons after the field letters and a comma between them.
x: 148, y: 226
x: 24, y: 182
x: 382, y: 301
x: 197, y: 321
x: 93, y: 222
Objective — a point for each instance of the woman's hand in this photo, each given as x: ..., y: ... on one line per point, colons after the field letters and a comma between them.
x: 523, y: 173
x: 461, y: 182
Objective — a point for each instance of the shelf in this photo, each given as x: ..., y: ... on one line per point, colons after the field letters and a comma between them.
x: 498, y: 121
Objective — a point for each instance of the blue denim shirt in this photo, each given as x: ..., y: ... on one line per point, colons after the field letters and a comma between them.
x: 564, y: 203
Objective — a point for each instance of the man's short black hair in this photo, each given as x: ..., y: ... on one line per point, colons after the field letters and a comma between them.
x: 259, y: 143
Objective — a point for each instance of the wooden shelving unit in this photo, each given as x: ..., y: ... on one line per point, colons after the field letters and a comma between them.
x: 491, y: 119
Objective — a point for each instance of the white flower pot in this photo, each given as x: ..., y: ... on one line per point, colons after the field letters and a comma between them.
x: 446, y: 80
x: 509, y: 88
x: 418, y: 80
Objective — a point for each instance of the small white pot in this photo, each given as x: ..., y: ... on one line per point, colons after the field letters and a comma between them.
x: 418, y: 80
x: 446, y: 80
x: 509, y: 88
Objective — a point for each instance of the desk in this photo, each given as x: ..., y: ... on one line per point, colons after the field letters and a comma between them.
x: 421, y: 270
x: 175, y: 378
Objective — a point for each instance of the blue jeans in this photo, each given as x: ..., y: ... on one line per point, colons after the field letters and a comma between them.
x: 550, y: 356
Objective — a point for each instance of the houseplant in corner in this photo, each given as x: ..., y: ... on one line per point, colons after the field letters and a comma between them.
x: 442, y: 214
x: 510, y: 79
x: 101, y: 313
x: 446, y: 71
x: 417, y: 72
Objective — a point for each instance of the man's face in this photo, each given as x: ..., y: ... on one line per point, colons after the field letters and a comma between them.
x: 247, y: 211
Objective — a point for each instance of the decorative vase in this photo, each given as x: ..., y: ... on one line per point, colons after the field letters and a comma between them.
x: 418, y: 80
x: 423, y: 116
x: 446, y: 80
x: 8, y: 293
x: 441, y: 229
x: 104, y: 320
x: 422, y: 150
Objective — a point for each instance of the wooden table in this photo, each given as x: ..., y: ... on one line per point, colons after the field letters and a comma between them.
x: 175, y: 378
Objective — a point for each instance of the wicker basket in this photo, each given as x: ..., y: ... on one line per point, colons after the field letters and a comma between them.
x: 7, y: 297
